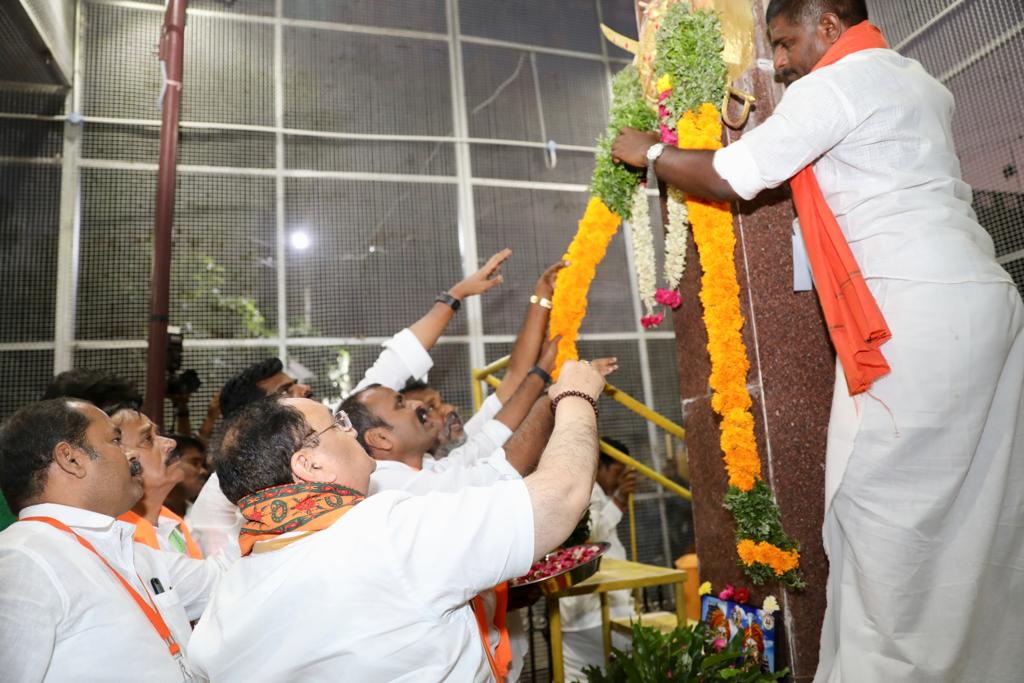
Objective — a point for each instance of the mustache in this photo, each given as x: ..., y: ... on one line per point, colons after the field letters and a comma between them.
x: 134, y: 467
x: 786, y: 75
x: 452, y: 421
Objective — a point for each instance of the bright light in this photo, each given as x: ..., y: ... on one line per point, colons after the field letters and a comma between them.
x: 300, y: 240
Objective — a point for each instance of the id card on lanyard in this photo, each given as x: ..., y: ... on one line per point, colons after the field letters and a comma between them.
x: 145, y: 604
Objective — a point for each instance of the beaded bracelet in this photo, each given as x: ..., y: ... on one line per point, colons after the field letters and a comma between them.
x: 579, y: 394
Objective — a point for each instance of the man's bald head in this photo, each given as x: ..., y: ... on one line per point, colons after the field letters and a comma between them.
x: 850, y: 12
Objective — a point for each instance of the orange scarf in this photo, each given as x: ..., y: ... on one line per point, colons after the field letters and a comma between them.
x: 854, y: 320
x: 501, y: 659
x: 145, y: 533
x: 292, y: 507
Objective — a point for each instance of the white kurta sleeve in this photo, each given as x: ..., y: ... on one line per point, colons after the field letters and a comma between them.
x: 193, y: 580
x: 482, y: 444
x: 488, y: 410
x: 214, y: 520
x: 452, y: 477
x: 31, y: 607
x: 452, y: 546
x: 812, y: 117
x: 402, y: 359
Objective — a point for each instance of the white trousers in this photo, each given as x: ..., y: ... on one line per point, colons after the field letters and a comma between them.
x: 924, y: 517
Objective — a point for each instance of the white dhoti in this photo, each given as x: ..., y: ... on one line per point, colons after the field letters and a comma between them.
x: 924, y: 521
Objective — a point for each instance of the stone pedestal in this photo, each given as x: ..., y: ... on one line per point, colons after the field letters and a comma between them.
x: 792, y: 368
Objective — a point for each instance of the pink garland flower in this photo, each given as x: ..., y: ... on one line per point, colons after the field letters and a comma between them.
x: 668, y: 131
x: 726, y: 592
x: 649, y: 321
x: 669, y: 297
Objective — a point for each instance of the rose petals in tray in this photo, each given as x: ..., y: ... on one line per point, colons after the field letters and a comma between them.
x: 558, y: 562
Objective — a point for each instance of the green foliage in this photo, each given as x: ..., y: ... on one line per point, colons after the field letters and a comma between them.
x: 758, y: 519
x: 208, y: 290
x: 690, y: 50
x: 685, y: 654
x: 581, y: 533
x: 615, y: 183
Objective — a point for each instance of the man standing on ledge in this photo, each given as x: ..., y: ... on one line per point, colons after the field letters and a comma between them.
x: 925, y: 460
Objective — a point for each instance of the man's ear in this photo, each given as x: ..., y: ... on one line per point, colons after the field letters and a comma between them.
x: 378, y: 439
x: 830, y: 27
x: 70, y: 459
x: 304, y: 465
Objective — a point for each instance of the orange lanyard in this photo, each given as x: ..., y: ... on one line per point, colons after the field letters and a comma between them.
x: 501, y: 659
x: 149, y: 610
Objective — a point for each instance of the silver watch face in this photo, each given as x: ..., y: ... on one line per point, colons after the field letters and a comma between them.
x: 654, y: 151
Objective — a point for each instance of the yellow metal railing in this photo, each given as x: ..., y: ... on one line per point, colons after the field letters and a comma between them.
x: 485, y: 375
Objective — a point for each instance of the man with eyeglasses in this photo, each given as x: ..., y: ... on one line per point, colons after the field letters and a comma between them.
x: 335, y: 585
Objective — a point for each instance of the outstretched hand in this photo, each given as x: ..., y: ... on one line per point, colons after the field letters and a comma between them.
x: 631, y: 146
x: 483, y: 279
x: 546, y: 283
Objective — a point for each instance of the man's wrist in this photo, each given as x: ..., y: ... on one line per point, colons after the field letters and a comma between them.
x: 458, y: 292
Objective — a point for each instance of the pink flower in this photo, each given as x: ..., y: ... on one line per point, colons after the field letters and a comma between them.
x: 669, y: 297
x: 727, y: 592
x: 719, y: 644
x: 649, y: 321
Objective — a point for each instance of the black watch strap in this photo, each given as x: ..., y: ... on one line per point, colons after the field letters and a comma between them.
x: 449, y: 300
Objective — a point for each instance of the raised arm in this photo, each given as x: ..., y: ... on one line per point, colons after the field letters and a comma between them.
x: 528, y: 342
x: 431, y: 326
x: 560, y: 488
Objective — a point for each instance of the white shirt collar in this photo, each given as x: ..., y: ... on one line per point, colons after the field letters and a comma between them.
x: 72, y: 516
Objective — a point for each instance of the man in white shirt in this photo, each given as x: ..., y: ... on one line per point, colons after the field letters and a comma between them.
x: 214, y: 518
x: 379, y: 591
x: 74, y: 582
x: 923, y: 473
x: 155, y: 524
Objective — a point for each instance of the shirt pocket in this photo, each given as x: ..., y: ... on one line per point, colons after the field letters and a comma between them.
x: 171, y: 609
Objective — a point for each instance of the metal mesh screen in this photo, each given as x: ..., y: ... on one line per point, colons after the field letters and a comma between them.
x: 975, y: 47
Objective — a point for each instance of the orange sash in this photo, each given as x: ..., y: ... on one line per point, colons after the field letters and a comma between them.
x: 501, y: 659
x: 854, y: 320
x: 292, y: 507
x: 145, y: 533
x: 149, y: 609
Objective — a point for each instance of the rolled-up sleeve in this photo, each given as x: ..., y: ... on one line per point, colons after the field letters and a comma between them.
x: 812, y: 117
x: 402, y: 359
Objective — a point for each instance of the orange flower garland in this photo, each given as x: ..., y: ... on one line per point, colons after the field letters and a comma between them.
x: 713, y: 234
x: 749, y: 498
x: 781, y: 561
x: 569, y: 302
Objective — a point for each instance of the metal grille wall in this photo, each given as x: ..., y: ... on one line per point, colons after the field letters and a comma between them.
x: 404, y: 141
x: 976, y: 47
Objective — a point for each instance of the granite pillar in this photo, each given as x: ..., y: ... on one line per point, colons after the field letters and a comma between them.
x: 792, y: 368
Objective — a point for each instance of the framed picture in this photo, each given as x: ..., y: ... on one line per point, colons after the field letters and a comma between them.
x: 726, y: 618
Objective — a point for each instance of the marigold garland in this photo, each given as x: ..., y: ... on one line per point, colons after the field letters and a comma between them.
x: 569, y: 302
x: 763, y: 548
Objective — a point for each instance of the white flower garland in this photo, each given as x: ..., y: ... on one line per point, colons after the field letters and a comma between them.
x: 675, y: 238
x: 643, y: 248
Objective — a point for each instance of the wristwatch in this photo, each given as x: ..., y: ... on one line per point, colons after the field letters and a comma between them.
x: 449, y: 300
x: 653, y: 152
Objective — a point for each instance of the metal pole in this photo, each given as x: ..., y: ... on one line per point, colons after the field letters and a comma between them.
x: 172, y: 48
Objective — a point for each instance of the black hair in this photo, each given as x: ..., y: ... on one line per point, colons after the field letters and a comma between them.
x: 256, y: 450
x: 360, y: 416
x: 107, y: 391
x: 183, y: 442
x: 241, y: 390
x: 850, y: 12
x: 608, y: 460
x: 414, y: 385
x: 27, y: 442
